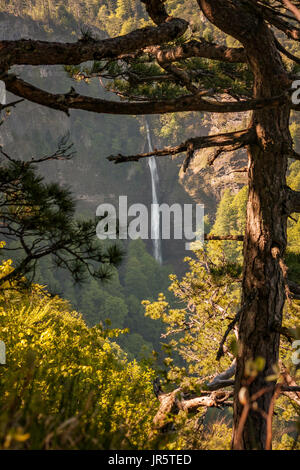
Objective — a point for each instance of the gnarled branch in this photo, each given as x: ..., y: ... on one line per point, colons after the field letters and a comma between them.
x: 211, y: 396
x: 198, y: 48
x: 227, y: 142
x: 31, y: 52
x: 73, y: 100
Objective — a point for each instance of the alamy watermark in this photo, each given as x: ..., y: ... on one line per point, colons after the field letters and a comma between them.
x: 165, y: 222
x: 296, y: 354
x: 2, y: 92
x: 295, y: 97
x: 2, y: 353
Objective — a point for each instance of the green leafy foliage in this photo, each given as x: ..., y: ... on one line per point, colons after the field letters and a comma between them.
x: 118, y: 300
x: 209, y: 294
x: 65, y: 385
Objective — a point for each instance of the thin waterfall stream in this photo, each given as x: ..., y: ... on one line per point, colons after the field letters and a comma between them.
x: 154, y: 207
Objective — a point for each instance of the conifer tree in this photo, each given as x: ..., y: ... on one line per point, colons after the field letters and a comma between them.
x: 255, y: 73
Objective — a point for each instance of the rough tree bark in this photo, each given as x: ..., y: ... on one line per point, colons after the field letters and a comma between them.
x: 265, y: 236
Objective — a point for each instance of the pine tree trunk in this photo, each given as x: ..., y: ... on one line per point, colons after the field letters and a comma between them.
x: 263, y: 282
x: 264, y: 246
x: 265, y: 236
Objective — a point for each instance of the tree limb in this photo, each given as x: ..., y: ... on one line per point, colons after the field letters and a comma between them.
x: 238, y: 238
x: 285, y: 26
x: 198, y: 48
x: 73, y: 100
x: 290, y: 6
x: 31, y: 52
x: 293, y: 201
x: 222, y: 380
x: 288, y: 54
x: 226, y: 140
x: 211, y: 396
x: 290, y: 388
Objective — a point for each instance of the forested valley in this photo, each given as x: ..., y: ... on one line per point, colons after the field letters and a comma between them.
x: 130, y: 356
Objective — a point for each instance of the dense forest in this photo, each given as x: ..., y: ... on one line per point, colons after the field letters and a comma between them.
x: 91, y: 356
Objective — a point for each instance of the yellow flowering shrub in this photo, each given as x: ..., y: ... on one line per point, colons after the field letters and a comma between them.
x: 65, y: 385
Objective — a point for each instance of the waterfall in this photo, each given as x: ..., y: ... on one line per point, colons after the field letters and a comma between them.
x: 154, y: 207
x: 2, y: 92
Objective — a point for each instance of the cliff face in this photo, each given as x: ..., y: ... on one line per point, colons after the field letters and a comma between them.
x: 33, y: 130
x: 16, y: 27
x: 208, y: 183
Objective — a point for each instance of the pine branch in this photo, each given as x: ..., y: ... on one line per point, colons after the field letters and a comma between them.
x: 73, y: 100
x: 197, y: 48
x: 10, y: 105
x: 33, y: 52
x: 39, y: 218
x: 276, y: 18
x: 292, y: 8
x: 227, y: 142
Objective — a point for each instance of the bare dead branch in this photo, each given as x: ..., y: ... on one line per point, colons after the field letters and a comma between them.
x: 222, y: 380
x: 10, y: 105
x: 171, y: 403
x: 230, y: 141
